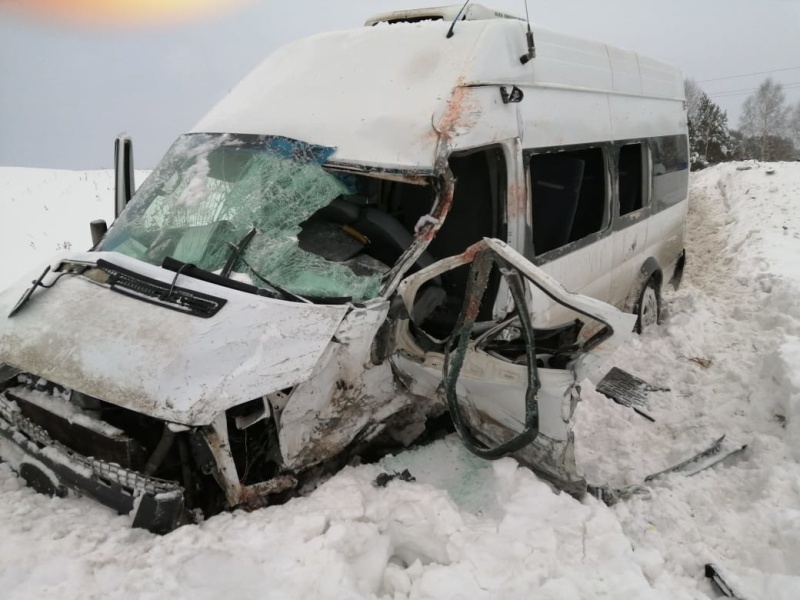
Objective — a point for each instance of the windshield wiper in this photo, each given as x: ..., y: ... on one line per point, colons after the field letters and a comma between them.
x: 236, y: 255
x: 236, y: 252
x: 36, y: 283
x: 286, y: 293
x: 179, y: 267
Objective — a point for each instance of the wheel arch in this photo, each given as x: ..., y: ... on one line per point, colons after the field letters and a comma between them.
x: 649, y: 270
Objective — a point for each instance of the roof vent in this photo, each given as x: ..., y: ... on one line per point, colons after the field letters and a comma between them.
x: 473, y: 12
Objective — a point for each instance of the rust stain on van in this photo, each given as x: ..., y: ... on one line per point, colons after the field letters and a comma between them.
x: 517, y: 202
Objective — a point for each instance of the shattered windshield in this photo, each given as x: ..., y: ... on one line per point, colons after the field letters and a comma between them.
x: 242, y: 206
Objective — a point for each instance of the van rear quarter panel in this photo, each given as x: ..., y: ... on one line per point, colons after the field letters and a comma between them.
x: 665, y: 242
x: 630, y: 253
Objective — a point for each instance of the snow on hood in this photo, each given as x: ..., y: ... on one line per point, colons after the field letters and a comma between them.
x: 157, y: 361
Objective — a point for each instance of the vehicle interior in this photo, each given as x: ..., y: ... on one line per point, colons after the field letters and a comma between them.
x: 569, y: 197
x: 379, y: 222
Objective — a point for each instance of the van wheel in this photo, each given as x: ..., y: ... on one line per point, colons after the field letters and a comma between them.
x: 647, y: 309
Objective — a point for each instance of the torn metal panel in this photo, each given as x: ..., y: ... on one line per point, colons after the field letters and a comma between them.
x: 479, y: 279
x: 493, y: 389
x: 628, y: 390
x: 347, y: 398
x: 216, y: 436
x: 718, y: 451
x: 444, y: 186
x: 725, y: 581
x: 619, y: 325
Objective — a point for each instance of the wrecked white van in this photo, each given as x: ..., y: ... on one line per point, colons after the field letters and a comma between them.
x: 371, y: 235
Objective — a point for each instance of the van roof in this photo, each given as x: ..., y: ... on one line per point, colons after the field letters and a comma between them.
x: 472, y: 12
x: 376, y: 93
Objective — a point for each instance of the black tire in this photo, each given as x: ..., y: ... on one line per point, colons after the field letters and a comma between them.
x: 648, y: 308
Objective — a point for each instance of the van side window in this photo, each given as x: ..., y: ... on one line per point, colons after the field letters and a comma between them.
x: 630, y: 167
x: 670, y: 169
x: 569, y: 196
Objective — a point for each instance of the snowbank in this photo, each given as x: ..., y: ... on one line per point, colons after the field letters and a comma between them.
x: 739, y: 308
x: 472, y: 529
x: 765, y: 240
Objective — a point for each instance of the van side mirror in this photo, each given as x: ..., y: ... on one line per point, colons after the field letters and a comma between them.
x: 123, y: 173
x: 99, y: 229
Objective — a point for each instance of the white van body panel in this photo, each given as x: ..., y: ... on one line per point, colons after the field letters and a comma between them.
x: 355, y: 91
x: 587, y: 271
x: 172, y: 366
x: 629, y: 245
x: 394, y: 109
x: 383, y: 106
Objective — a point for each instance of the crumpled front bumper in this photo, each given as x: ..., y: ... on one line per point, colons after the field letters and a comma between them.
x: 51, y: 468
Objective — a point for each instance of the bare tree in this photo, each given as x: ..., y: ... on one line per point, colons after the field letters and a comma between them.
x: 765, y: 116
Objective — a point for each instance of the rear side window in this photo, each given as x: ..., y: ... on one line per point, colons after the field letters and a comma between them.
x: 569, y: 197
x: 670, y: 169
x: 631, y: 180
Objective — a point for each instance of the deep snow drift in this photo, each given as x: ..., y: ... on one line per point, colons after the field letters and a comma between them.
x: 473, y: 529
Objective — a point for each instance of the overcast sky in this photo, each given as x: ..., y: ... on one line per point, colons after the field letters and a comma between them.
x: 66, y: 90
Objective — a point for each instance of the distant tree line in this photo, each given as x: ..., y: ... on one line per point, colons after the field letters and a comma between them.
x: 769, y: 129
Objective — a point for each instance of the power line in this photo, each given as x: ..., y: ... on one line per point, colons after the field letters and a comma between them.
x: 788, y: 86
x: 748, y: 74
x: 783, y: 85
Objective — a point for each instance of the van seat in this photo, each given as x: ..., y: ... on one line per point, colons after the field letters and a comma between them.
x: 388, y: 237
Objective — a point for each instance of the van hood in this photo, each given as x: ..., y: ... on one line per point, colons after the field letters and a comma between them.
x: 151, y: 359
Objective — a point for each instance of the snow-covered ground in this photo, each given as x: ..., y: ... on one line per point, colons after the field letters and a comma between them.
x: 43, y: 211
x: 467, y: 528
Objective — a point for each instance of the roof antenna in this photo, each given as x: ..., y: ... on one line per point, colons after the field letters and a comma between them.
x: 458, y: 16
x: 531, y: 54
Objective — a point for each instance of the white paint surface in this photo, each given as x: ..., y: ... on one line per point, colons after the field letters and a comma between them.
x: 381, y: 95
x: 161, y: 362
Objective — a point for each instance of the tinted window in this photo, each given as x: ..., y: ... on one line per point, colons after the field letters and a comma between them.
x: 670, y: 169
x: 569, y: 197
x: 630, y: 166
